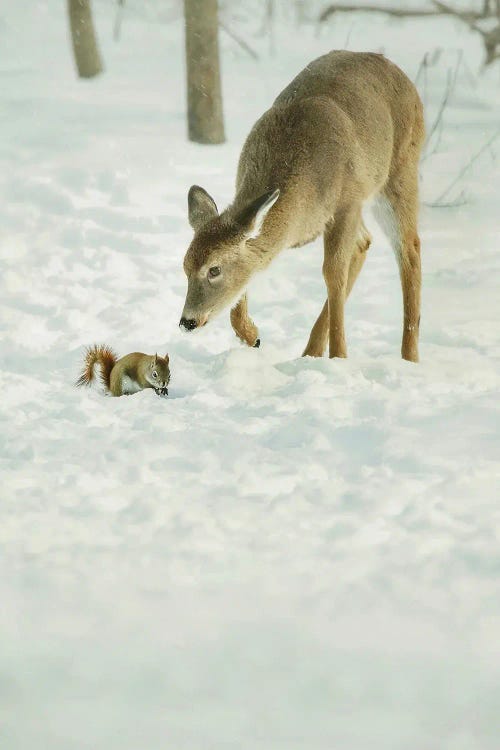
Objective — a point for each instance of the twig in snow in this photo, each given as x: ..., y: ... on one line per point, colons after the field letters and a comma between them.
x: 439, y: 200
x: 461, y: 200
x: 451, y: 82
x: 238, y: 40
x: 429, y: 58
x: 348, y: 37
x: 425, y: 64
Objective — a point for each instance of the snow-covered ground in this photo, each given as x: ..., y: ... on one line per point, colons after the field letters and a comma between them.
x: 285, y: 554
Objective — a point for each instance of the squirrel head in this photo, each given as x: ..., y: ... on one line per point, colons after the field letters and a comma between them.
x: 158, y: 374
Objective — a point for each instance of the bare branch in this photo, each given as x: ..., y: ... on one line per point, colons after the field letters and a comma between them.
x: 238, y: 40
x: 491, y: 37
x: 468, y: 16
x: 440, y: 9
x: 465, y: 169
x: 461, y: 200
x: 398, y: 12
x: 451, y: 82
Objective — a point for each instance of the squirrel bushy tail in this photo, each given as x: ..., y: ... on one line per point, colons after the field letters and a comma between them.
x: 102, y: 355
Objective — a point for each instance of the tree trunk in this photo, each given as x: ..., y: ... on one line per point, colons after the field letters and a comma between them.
x: 87, y: 57
x: 205, y: 120
x: 300, y: 12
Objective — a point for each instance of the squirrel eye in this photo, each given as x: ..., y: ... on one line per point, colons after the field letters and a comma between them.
x: 214, y: 271
x: 155, y: 374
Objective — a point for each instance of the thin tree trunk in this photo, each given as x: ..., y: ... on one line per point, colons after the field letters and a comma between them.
x: 270, y: 25
x: 118, y: 20
x: 87, y: 57
x: 300, y: 12
x: 205, y: 119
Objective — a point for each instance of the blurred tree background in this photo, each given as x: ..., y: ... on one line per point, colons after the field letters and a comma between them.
x: 252, y: 24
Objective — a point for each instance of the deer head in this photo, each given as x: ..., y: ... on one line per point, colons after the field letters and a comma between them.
x: 223, y: 254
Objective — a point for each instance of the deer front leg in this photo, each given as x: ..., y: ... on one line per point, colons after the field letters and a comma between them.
x: 318, y: 336
x: 335, y: 271
x: 243, y: 325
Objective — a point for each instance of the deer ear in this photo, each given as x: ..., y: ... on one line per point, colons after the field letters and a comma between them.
x: 201, y: 207
x: 252, y: 217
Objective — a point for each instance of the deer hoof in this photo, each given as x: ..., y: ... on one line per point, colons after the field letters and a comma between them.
x: 257, y: 344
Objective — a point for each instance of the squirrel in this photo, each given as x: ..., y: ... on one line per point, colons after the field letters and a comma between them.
x: 130, y: 374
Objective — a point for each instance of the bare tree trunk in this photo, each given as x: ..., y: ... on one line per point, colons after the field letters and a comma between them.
x: 205, y: 119
x: 87, y: 57
x: 118, y: 20
x: 270, y: 13
x: 300, y: 12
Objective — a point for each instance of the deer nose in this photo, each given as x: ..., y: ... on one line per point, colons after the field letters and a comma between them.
x: 188, y: 324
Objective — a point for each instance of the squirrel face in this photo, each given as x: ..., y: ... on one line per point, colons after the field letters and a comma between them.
x: 158, y: 374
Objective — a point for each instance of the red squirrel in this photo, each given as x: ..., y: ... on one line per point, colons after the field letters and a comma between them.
x: 130, y: 374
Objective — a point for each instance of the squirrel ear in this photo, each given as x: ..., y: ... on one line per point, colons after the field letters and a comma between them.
x: 155, y: 358
x: 166, y: 358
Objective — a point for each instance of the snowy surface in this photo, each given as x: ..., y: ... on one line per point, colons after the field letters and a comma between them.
x: 286, y: 554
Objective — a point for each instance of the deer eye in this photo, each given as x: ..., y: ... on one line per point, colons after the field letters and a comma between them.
x: 154, y: 374
x: 213, y: 272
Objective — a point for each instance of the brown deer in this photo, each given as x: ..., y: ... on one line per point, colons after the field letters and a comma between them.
x: 348, y: 128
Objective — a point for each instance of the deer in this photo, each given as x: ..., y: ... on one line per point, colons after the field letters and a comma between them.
x: 346, y: 131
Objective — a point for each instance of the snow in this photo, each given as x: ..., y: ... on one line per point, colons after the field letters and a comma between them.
x: 285, y: 553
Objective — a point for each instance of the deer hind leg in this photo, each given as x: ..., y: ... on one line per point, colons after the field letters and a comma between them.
x: 243, y: 325
x: 397, y: 211
x: 363, y: 242
x: 319, y: 333
x: 339, y: 246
